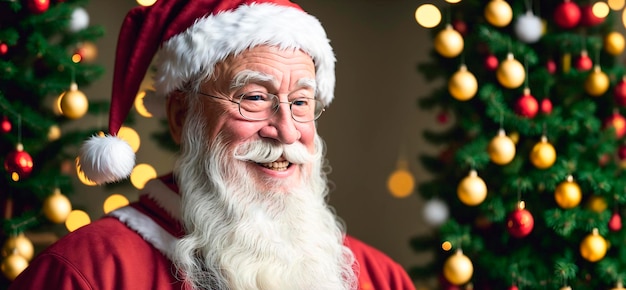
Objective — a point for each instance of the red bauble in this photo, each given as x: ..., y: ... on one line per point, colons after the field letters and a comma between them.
x: 583, y: 62
x: 618, y: 122
x: 491, y: 62
x: 615, y: 223
x: 38, y: 6
x: 527, y: 106
x: 621, y: 152
x: 587, y: 18
x: 513, y: 287
x: 19, y: 162
x: 551, y: 66
x: 4, y: 48
x: 5, y: 125
x: 619, y: 92
x: 546, y: 106
x: 567, y: 14
x: 460, y: 26
x: 520, y: 223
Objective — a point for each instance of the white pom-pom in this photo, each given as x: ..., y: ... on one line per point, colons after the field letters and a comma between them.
x: 79, y: 20
x: 436, y: 212
x: 106, y: 159
x: 528, y: 28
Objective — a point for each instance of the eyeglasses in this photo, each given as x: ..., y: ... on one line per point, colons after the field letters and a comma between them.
x: 259, y: 106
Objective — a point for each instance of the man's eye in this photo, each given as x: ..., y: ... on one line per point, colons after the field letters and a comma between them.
x: 254, y: 96
x: 300, y: 102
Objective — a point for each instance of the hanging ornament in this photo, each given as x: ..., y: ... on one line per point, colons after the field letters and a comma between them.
x: 38, y: 6
x: 597, y: 82
x: 587, y: 17
x: 513, y: 287
x: 619, y: 92
x: 593, y: 247
x: 501, y: 149
x: 551, y: 66
x: 619, y: 286
x: 543, y: 154
x: 5, y: 125
x: 596, y: 203
x: 463, y: 85
x: 567, y: 14
x: 460, y: 26
x: 86, y: 52
x: 18, y: 163
x: 73, y: 103
x: 458, y: 268
x: 528, y: 27
x: 614, y: 43
x: 436, y: 212
x: 617, y: 122
x: 615, y: 223
x: 527, y: 106
x: 12, y: 265
x: 545, y: 106
x: 57, y: 207
x: 472, y: 190
x: 498, y: 13
x: 4, y: 48
x: 568, y: 194
x: 79, y: 20
x: 449, y: 42
x: 583, y: 62
x: 20, y: 244
x: 520, y: 222
x: 511, y: 73
x: 491, y: 62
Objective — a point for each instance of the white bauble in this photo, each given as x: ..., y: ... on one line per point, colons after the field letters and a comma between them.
x: 436, y: 212
x: 528, y: 27
x: 80, y: 20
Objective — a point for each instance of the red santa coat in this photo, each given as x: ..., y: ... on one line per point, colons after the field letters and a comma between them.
x: 130, y: 249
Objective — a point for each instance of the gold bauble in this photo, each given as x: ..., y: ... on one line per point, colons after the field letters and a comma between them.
x: 614, y: 43
x: 463, y: 84
x: 57, y: 207
x: 73, y: 103
x: 458, y: 268
x: 498, y: 13
x: 472, y: 190
x: 13, y: 265
x: 54, y: 133
x: 501, y: 149
x: 511, y: 73
x: 597, y: 203
x: 593, y: 247
x: 20, y: 244
x: 543, y: 154
x: 597, y: 82
x: 449, y: 42
x: 401, y: 183
x: 568, y: 194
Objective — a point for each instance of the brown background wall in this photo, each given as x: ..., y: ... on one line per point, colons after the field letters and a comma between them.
x: 373, y: 118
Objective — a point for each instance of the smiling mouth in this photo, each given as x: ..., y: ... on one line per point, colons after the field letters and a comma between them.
x: 276, y: 165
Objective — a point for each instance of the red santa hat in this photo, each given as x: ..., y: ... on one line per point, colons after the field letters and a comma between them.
x: 187, y: 38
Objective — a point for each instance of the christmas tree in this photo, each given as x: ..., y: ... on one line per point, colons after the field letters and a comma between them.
x: 529, y: 188
x: 46, y: 55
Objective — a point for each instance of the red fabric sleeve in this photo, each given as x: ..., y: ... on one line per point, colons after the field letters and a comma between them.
x: 377, y: 270
x: 50, y: 272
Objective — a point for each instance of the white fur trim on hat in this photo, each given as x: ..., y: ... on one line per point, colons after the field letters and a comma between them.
x: 195, y: 52
x: 106, y: 159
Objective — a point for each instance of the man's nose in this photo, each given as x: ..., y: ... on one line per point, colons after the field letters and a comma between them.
x: 282, y: 126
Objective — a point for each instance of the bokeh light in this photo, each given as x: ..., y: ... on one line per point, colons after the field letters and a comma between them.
x: 446, y: 246
x: 130, y: 136
x: 453, y: 1
x: 81, y: 175
x: 140, y: 107
x: 113, y: 202
x: 146, y: 2
x: 141, y: 174
x: 76, y: 219
x: 428, y: 15
x: 616, y: 4
x: 600, y: 9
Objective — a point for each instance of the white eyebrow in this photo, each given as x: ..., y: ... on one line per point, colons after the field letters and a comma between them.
x: 246, y: 77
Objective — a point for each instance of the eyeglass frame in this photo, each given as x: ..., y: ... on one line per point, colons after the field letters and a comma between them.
x: 275, y: 107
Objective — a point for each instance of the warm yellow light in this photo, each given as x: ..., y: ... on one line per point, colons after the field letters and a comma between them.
x: 113, y: 202
x: 446, y: 246
x: 401, y: 183
x: 54, y: 133
x: 453, y: 1
x: 15, y: 176
x: 81, y: 175
x: 130, y: 136
x: 76, y: 58
x: 146, y: 2
x: 428, y: 15
x: 624, y: 17
x: 140, y: 106
x: 617, y: 4
x: 600, y: 9
x: 76, y: 219
x: 141, y: 174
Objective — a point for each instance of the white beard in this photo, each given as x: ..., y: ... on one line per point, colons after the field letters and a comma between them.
x: 242, y: 237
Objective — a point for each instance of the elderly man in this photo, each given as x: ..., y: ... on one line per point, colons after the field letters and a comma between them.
x: 243, y: 83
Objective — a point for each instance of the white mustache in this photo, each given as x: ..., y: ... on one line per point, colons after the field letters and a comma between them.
x: 261, y: 151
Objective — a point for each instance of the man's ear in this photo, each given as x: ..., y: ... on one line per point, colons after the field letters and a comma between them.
x: 176, y: 112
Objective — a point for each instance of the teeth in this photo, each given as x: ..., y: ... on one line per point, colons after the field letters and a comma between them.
x: 278, y: 166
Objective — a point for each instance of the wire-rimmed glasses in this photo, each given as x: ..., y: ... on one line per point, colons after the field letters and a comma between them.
x: 259, y: 106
